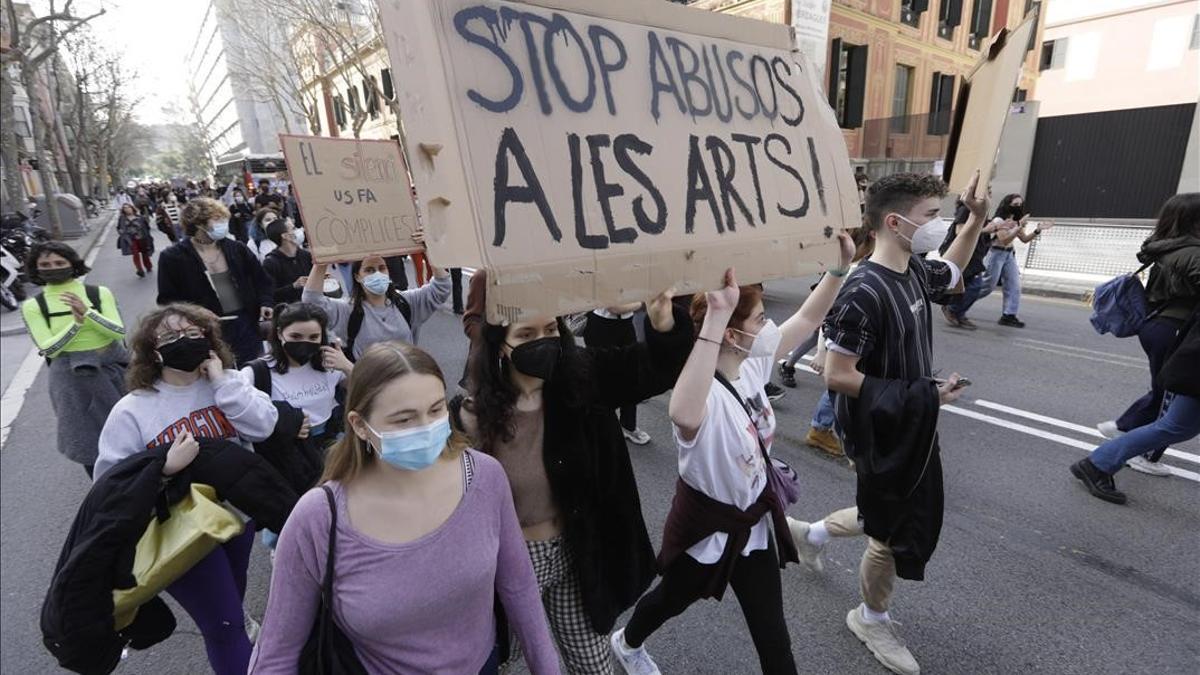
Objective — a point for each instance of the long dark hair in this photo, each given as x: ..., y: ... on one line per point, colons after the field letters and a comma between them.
x: 357, y: 293
x: 40, y: 249
x: 1179, y: 217
x: 1005, y: 209
x: 495, y: 397
x: 297, y: 312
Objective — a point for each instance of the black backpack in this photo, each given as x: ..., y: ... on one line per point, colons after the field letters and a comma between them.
x: 354, y: 324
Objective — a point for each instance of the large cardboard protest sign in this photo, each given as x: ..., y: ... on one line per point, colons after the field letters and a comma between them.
x: 354, y: 196
x: 592, y: 153
x: 982, y: 106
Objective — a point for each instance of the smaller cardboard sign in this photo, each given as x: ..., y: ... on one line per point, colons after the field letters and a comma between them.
x: 354, y: 195
x: 983, y: 103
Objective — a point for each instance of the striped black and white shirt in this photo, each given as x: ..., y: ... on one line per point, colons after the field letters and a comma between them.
x: 885, y: 317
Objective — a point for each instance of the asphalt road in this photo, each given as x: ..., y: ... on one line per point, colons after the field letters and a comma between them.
x: 1031, y: 575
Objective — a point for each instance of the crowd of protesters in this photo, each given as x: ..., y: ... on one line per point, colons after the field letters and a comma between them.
x: 439, y: 530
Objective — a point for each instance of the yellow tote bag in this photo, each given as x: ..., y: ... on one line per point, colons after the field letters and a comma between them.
x: 168, y: 549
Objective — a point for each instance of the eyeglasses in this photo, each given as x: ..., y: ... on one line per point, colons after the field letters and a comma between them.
x: 167, y: 337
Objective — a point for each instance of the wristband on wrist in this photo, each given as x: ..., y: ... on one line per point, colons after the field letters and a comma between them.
x: 701, y: 338
x: 839, y: 272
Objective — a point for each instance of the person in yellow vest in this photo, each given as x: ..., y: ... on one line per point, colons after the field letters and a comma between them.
x: 78, y: 329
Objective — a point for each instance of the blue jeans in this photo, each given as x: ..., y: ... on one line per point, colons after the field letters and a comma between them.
x: 1003, y: 265
x: 972, y: 291
x: 823, y: 417
x: 1157, y: 337
x: 1180, y: 423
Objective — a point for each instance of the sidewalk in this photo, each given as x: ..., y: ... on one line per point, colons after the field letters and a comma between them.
x: 10, y: 322
x: 1069, y: 285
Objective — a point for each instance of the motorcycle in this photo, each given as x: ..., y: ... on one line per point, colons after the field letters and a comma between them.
x: 92, y: 206
x: 18, y: 241
x: 12, y: 290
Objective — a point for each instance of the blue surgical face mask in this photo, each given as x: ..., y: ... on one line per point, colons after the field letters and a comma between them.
x: 218, y: 229
x: 377, y: 283
x: 412, y: 449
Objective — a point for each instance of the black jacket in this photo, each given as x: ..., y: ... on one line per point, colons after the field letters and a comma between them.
x: 1174, y: 285
x: 1181, y: 371
x: 240, y: 217
x: 284, y: 272
x: 182, y: 277
x: 892, y: 438
x: 299, y: 461
x: 591, y: 477
x: 97, y: 557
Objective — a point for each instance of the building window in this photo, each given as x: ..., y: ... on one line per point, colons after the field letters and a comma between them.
x: 901, y: 95
x: 388, y: 91
x: 981, y: 23
x: 911, y: 11
x: 949, y: 16
x: 1054, y: 54
x: 848, y: 82
x: 339, y: 111
x: 941, y: 100
x: 354, y: 101
x: 1195, y: 41
x: 1020, y: 95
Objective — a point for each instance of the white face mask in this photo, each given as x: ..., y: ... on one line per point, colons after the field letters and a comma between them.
x: 766, y: 342
x: 298, y: 235
x: 927, y: 237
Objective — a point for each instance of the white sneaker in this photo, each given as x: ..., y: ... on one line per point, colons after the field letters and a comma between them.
x: 884, y: 642
x: 1140, y: 463
x: 1109, y: 430
x: 637, y: 436
x: 634, y: 661
x: 810, y: 553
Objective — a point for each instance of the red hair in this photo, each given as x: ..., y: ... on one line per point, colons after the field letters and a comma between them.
x: 748, y: 298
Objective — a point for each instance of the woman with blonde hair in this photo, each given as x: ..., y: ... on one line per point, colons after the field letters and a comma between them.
x: 424, y: 532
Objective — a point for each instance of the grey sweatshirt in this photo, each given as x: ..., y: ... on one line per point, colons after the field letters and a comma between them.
x: 146, y: 418
x: 381, y: 324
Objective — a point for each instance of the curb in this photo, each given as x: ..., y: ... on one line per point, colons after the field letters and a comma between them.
x: 1078, y: 295
x: 20, y: 328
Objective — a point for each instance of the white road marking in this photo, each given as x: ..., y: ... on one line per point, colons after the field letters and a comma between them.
x: 1136, y: 359
x: 1090, y: 431
x: 1063, y: 352
x: 1049, y: 436
x: 14, y: 395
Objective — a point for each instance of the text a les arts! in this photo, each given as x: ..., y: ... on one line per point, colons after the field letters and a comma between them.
x: 714, y: 83
x: 368, y: 175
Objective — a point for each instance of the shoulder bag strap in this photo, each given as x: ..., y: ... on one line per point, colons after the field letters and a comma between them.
x: 327, y: 585
x: 746, y: 407
x: 93, y: 296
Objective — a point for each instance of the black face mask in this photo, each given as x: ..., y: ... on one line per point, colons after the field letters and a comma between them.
x: 58, y: 275
x: 302, y: 352
x: 537, y: 358
x: 186, y: 353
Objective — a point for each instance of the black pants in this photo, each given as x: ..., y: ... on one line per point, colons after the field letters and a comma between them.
x: 1158, y: 337
x: 602, y: 332
x: 756, y: 584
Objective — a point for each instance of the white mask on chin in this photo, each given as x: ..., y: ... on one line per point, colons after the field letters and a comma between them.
x: 927, y: 237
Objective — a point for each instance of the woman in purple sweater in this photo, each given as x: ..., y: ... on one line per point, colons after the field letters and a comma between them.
x: 427, y: 538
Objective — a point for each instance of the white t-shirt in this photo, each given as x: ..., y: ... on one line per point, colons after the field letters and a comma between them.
x: 305, y: 389
x: 724, y: 461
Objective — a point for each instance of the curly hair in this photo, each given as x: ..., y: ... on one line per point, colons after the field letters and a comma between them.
x: 198, y: 212
x: 898, y: 193
x: 495, y: 396
x: 145, y: 367
x: 53, y: 248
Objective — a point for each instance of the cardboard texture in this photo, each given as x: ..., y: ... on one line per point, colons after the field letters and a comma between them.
x: 354, y: 196
x: 982, y: 106
x: 589, y: 154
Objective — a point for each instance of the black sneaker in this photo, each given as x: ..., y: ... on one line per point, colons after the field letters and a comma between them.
x: 774, y: 392
x: 787, y: 375
x: 141, y: 273
x: 1011, y: 320
x: 1097, y: 482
